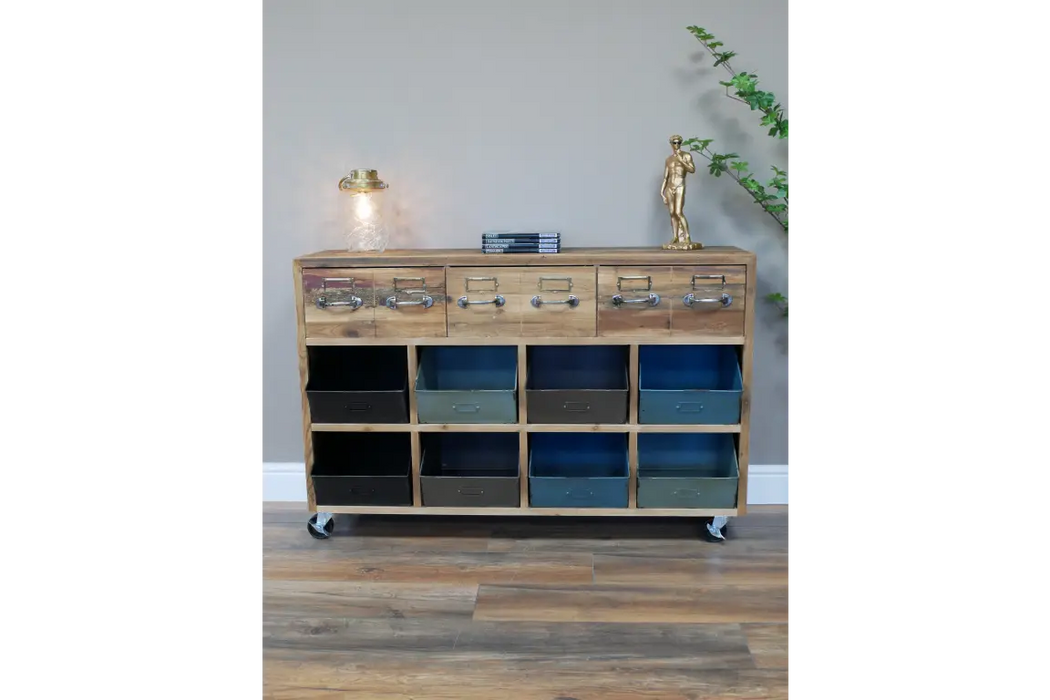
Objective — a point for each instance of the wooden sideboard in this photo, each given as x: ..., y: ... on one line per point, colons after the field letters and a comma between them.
x: 666, y: 335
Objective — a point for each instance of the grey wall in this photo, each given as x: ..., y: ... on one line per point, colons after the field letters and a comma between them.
x: 502, y: 114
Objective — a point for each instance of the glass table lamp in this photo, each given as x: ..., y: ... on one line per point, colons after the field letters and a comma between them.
x: 363, y: 211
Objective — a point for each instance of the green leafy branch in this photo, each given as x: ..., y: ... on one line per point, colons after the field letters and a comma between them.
x: 772, y: 195
x: 745, y: 86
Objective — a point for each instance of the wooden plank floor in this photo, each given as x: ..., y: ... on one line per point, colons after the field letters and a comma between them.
x: 413, y: 607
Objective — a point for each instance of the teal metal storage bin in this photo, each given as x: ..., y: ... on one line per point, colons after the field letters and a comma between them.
x: 689, y: 384
x: 687, y: 470
x: 578, y: 470
x: 467, y: 385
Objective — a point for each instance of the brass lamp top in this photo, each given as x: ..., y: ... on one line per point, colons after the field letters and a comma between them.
x: 362, y: 180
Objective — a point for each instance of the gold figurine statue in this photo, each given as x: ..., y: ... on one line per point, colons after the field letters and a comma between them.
x: 672, y: 190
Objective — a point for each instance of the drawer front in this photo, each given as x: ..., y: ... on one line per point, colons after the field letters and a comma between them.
x: 467, y: 406
x: 686, y: 492
x: 688, y: 407
x: 410, y: 302
x: 634, y: 302
x: 577, y: 406
x: 573, y: 492
x: 484, y: 302
x: 560, y: 302
x: 708, y: 300
x: 467, y: 492
x: 363, y: 490
x: 358, y: 406
x: 339, y: 303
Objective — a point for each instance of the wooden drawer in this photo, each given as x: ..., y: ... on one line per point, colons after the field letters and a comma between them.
x: 536, y: 302
x: 388, y: 302
x: 700, y: 300
x: 634, y: 301
x: 708, y: 300
x: 410, y: 302
x: 558, y: 302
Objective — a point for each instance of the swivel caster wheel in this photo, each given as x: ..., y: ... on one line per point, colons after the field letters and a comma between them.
x: 320, y: 526
x: 716, y: 529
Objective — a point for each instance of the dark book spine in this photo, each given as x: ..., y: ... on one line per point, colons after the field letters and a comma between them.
x: 527, y: 236
x: 508, y: 242
x: 522, y: 249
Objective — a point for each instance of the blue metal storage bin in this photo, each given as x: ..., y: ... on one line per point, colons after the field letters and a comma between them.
x: 687, y: 470
x: 467, y: 385
x: 578, y: 470
x: 689, y: 384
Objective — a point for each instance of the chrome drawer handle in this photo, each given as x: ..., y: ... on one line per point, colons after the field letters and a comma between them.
x: 652, y: 300
x: 354, y: 302
x: 463, y: 302
x: 425, y: 300
x: 466, y: 407
x: 572, y: 301
x: 579, y: 406
x: 725, y: 300
x: 689, y: 407
x: 393, y: 302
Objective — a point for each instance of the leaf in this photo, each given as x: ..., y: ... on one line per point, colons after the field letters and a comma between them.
x: 723, y: 82
x: 776, y: 296
x: 715, y: 44
x: 774, y: 130
x: 739, y: 165
x: 730, y: 155
x: 723, y: 57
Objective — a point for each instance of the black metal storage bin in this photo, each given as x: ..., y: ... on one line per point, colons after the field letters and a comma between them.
x: 470, y: 469
x: 687, y: 470
x: 364, y: 384
x: 577, y: 384
x: 362, y: 469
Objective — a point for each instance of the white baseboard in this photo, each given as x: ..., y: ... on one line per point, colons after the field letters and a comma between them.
x: 767, y: 484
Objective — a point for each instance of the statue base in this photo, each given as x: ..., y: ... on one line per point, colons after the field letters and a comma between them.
x: 682, y: 245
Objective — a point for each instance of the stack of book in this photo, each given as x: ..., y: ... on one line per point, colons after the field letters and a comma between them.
x: 521, y: 242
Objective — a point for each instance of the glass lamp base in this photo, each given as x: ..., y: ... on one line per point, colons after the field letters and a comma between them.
x: 367, y: 240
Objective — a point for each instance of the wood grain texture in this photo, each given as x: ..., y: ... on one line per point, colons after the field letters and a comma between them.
x: 638, y: 255
x: 341, y: 285
x: 652, y: 604
x: 384, y: 609
x: 704, y: 282
x: 633, y: 320
x: 410, y: 320
x: 554, y: 284
x: 532, y: 427
x: 513, y: 340
x: 483, y: 284
x: 753, y: 569
x: 304, y: 378
x: 436, y: 567
x: 768, y: 645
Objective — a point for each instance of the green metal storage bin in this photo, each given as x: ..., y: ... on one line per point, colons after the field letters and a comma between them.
x: 467, y: 385
x: 687, y: 470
